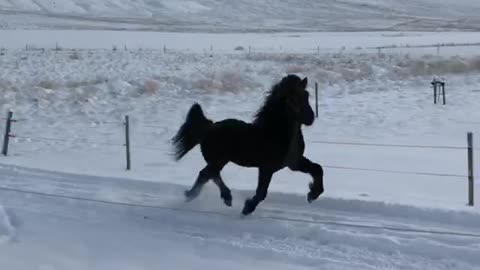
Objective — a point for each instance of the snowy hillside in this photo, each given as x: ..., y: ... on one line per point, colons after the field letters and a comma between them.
x: 242, y: 15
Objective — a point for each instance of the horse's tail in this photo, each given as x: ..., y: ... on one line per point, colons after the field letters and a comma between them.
x: 191, y: 132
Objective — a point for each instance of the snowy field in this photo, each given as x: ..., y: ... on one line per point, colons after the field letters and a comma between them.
x: 67, y: 202
x: 242, y: 15
x: 70, y: 106
x: 75, y: 102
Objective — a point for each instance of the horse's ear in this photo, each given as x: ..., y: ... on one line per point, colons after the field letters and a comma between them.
x: 305, y: 82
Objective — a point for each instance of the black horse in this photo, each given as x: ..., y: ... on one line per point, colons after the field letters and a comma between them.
x: 273, y: 141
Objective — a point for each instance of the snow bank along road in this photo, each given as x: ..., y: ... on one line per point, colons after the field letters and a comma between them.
x: 66, y: 221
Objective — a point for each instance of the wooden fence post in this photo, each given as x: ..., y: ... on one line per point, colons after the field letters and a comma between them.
x: 470, y: 169
x: 127, y: 141
x: 6, y: 137
x: 316, y: 99
x: 443, y: 92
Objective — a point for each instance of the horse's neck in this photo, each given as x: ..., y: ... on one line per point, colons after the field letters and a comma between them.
x: 286, y: 130
x: 295, y: 134
x: 293, y: 151
x: 278, y: 125
x: 296, y: 130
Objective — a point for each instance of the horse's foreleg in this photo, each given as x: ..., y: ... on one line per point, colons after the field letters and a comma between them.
x: 264, y: 177
x: 225, y: 192
x: 316, y: 171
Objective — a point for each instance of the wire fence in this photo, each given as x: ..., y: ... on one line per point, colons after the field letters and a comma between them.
x: 87, y: 141
x: 261, y: 217
x: 391, y: 145
x: 434, y: 48
x: 78, y: 140
x: 395, y: 171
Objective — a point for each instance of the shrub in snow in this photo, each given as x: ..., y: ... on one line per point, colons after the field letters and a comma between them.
x: 75, y: 56
x: 295, y: 69
x: 229, y: 81
x: 150, y: 86
x: 47, y: 84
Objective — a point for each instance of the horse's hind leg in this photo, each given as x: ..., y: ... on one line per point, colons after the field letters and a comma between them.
x: 225, y: 192
x: 203, y: 176
x: 207, y: 173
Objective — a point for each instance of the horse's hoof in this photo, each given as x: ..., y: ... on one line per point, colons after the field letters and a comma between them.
x: 228, y: 202
x: 189, y: 195
x: 248, y: 208
x: 227, y: 198
x: 310, y: 197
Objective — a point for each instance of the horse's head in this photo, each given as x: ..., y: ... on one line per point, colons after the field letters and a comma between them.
x: 291, y: 95
x: 297, y: 98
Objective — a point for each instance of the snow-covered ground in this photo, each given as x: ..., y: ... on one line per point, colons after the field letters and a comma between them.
x: 67, y: 202
x: 70, y: 107
x: 242, y: 15
x: 121, y: 224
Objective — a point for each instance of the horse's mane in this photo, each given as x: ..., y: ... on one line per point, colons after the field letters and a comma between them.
x: 274, y: 105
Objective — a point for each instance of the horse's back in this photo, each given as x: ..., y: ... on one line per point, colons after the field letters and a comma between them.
x: 232, y: 140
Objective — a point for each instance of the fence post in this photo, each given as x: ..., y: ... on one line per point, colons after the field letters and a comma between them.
x: 470, y: 169
x: 443, y: 92
x: 316, y: 99
x: 127, y: 141
x: 6, y: 137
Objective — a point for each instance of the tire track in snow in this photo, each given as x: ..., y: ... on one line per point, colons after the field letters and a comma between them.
x: 7, y: 231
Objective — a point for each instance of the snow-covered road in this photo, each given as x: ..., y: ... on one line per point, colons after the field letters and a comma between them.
x: 124, y: 224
